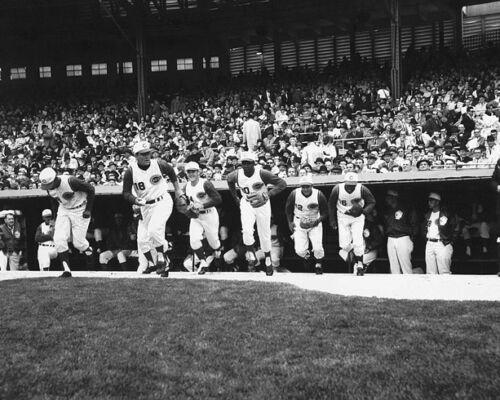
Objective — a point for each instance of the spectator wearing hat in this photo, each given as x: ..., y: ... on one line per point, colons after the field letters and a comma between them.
x: 440, y: 230
x: 12, y: 242
x: 423, y: 164
x: 348, y: 204
x: 401, y: 227
x: 44, y: 236
x: 306, y: 209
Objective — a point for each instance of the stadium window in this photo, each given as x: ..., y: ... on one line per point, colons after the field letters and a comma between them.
x: 128, y: 67
x: 158, y: 65
x: 45, y: 72
x: 214, y: 62
x: 184, y: 64
x: 18, y: 73
x: 100, y: 69
x: 74, y: 70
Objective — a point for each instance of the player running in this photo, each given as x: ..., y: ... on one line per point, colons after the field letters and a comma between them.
x: 199, y: 204
x: 254, y: 205
x: 146, y: 178
x: 72, y: 201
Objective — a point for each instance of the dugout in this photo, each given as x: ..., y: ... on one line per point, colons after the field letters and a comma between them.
x: 460, y: 190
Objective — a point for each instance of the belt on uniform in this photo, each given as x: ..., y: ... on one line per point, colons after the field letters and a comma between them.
x: 155, y: 200
x: 434, y: 240
x: 47, y: 245
x: 206, y: 211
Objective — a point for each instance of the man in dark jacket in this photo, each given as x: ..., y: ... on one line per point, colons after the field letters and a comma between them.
x: 441, y: 230
x: 12, y: 242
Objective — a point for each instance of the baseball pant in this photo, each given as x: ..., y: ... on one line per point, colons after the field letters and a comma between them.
x: 369, y: 257
x: 206, y: 225
x: 71, y: 226
x: 142, y: 260
x: 301, y: 238
x: 261, y: 215
x: 46, y: 252
x: 151, y: 228
x: 9, y: 260
x: 399, y: 252
x: 106, y: 256
x: 482, y: 227
x: 351, y: 233
x: 438, y: 257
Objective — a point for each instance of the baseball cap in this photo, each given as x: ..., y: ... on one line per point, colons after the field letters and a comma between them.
x: 47, y: 176
x: 351, y: 178
x: 141, y: 147
x: 192, y: 166
x: 434, y: 196
x: 46, y: 213
x: 247, y: 156
x: 305, y: 180
x: 392, y: 193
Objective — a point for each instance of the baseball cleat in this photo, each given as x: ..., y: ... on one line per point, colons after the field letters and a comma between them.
x: 66, y: 274
x: 360, y: 271
x: 164, y: 274
x: 318, y: 269
x: 202, y: 269
x: 269, y: 266
x: 149, y: 269
x: 160, y: 267
x: 210, y: 260
x: 252, y: 261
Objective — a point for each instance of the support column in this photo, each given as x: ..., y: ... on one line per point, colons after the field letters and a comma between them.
x: 395, y: 49
x: 141, y: 70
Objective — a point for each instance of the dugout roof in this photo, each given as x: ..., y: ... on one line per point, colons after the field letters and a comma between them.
x: 236, y: 21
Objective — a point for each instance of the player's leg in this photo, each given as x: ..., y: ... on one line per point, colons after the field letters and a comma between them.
x: 195, y: 241
x: 144, y: 245
x: 62, y: 235
x: 369, y: 257
x: 210, y: 223
x: 430, y: 258
x: 392, y: 254
x: 345, y: 236
x: 484, y: 234
x: 263, y: 217
x: 122, y: 258
x: 79, y: 228
x: 301, y: 246
x: 358, y: 242
x: 161, y: 212
x: 3, y: 261
x: 443, y: 258
x: 316, y: 238
x: 43, y: 258
x: 248, y: 217
x: 105, y: 257
x: 230, y: 257
x: 404, y: 249
x: 14, y: 259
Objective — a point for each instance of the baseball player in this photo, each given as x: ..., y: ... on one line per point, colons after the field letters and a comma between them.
x: 146, y: 178
x: 401, y: 227
x: 72, y: 201
x: 254, y: 204
x: 441, y: 230
x: 306, y: 209
x: 349, y: 202
x: 199, y: 204
x: 44, y: 236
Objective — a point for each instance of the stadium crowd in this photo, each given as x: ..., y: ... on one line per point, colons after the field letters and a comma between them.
x: 298, y: 122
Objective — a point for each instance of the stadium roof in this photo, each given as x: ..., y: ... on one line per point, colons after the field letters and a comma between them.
x: 237, y: 21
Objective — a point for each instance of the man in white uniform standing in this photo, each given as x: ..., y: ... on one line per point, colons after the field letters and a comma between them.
x: 251, y: 133
x: 146, y: 178
x: 199, y: 205
x: 306, y: 209
x: 254, y: 204
x: 348, y: 204
x: 72, y: 201
x: 44, y: 236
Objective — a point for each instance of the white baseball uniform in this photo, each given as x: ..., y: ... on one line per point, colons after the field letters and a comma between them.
x: 150, y: 185
x: 207, y: 223
x: 307, y: 208
x: 350, y: 228
x: 250, y: 215
x: 70, y: 224
x: 437, y: 254
x: 46, y: 250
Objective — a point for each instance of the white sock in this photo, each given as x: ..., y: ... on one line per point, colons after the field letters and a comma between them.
x: 66, y: 266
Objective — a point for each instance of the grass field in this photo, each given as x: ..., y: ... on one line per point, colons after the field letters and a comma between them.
x: 174, y: 339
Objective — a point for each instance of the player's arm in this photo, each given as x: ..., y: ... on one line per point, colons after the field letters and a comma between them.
x: 231, y: 184
x: 289, y: 209
x: 332, y: 206
x: 54, y: 205
x: 269, y: 178
x: 370, y: 202
x: 213, y: 194
x: 323, y: 207
x: 127, y: 188
x: 78, y: 185
x: 167, y: 169
x: 40, y: 237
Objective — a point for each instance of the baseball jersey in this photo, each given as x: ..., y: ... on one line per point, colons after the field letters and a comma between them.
x: 66, y: 196
x: 250, y: 184
x: 46, y: 230
x: 196, y: 193
x: 345, y: 200
x: 306, y: 207
x: 148, y: 183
